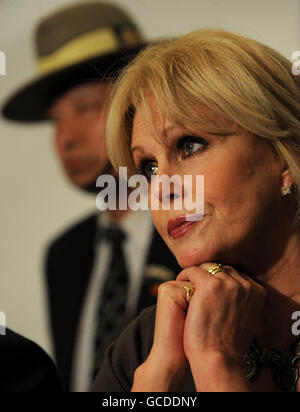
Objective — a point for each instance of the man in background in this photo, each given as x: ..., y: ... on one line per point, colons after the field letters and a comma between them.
x: 103, y: 270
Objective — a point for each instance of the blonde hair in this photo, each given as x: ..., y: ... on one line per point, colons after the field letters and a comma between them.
x: 237, y: 78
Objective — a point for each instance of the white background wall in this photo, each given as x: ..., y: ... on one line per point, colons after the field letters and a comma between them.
x: 36, y: 200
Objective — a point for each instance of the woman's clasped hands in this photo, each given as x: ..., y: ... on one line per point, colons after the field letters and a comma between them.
x: 208, y: 335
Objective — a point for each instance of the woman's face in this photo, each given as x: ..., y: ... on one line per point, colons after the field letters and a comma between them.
x: 242, y: 181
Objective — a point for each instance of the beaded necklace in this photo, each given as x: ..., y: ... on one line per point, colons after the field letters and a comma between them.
x: 284, y: 364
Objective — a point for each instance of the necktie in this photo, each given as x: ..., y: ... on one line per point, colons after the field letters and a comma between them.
x: 111, y: 311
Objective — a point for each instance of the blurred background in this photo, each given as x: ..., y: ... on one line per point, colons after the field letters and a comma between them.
x: 37, y: 202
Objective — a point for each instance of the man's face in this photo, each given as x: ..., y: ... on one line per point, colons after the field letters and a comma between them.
x: 80, y: 117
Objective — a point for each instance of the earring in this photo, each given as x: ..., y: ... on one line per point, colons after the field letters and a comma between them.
x: 285, y: 190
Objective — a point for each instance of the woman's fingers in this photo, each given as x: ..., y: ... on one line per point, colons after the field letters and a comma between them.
x: 166, y: 364
x: 170, y: 314
x: 204, y: 310
x: 224, y: 310
x: 169, y: 325
x: 174, y: 292
x: 245, y: 282
x: 199, y: 274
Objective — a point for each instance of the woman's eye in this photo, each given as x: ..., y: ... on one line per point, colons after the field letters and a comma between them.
x: 189, y: 145
x: 148, y: 169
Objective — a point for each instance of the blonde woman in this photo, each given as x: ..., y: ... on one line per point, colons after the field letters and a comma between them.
x: 216, y: 104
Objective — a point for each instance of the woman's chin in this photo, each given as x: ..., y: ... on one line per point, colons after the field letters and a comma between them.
x: 186, y: 260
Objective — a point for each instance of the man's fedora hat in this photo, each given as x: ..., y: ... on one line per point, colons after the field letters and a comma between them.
x: 90, y: 41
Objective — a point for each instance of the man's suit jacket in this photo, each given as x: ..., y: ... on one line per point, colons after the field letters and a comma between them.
x: 69, y: 265
x: 25, y: 367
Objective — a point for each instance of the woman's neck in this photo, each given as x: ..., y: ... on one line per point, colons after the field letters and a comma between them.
x: 282, y: 282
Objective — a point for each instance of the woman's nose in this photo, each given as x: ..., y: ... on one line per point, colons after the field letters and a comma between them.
x: 177, y: 192
x: 167, y: 192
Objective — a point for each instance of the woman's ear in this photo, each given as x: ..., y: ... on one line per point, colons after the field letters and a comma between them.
x: 287, y: 179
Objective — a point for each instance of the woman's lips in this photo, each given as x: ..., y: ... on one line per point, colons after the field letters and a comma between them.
x: 180, y: 225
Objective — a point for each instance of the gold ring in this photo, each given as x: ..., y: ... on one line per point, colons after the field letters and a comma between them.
x: 189, y: 293
x: 215, y: 268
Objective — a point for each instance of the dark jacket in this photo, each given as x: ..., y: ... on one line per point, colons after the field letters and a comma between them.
x: 25, y: 367
x: 68, y: 267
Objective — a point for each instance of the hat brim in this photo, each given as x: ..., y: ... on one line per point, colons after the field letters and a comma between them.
x: 31, y: 103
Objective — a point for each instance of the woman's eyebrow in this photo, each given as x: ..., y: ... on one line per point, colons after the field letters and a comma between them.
x: 164, y: 133
x: 139, y: 148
